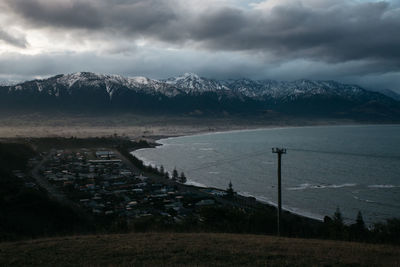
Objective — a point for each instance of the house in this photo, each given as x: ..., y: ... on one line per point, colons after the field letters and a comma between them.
x: 105, y: 154
x: 205, y: 202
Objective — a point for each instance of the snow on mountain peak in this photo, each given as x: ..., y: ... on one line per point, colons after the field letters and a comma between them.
x: 191, y: 75
x: 141, y: 80
x: 190, y: 83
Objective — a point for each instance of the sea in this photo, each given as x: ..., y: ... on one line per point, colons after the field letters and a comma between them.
x: 353, y: 168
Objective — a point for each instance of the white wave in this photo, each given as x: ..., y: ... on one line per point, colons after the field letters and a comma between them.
x: 294, y: 210
x: 312, y: 186
x: 200, y: 144
x: 262, y: 199
x: 213, y: 172
x: 189, y: 182
x: 340, y: 185
x: 146, y: 162
x: 134, y: 153
x: 300, y: 187
x: 383, y: 186
x: 364, y: 200
x: 206, y: 149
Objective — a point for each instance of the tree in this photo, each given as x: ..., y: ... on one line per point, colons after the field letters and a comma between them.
x: 175, y: 174
x: 358, y: 230
x: 338, y: 228
x: 337, y: 217
x: 230, y: 193
x: 162, y: 171
x: 166, y: 175
x: 182, y: 178
x: 360, y: 221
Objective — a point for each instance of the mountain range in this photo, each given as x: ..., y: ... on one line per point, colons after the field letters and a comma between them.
x: 191, y: 94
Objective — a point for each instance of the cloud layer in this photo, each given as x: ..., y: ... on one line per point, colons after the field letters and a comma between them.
x: 271, y: 34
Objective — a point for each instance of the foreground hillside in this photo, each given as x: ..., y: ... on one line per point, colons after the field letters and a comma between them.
x: 159, y: 249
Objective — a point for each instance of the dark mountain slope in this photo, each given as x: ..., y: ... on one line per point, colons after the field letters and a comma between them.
x: 193, y: 94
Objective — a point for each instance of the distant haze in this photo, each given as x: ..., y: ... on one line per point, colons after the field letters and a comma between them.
x: 351, y: 41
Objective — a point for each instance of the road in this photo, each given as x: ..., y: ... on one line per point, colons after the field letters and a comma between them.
x: 53, y: 192
x: 44, y: 183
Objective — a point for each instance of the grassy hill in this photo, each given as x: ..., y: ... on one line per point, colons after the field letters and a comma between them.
x: 160, y: 249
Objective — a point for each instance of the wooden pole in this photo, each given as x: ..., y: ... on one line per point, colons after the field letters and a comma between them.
x: 279, y: 151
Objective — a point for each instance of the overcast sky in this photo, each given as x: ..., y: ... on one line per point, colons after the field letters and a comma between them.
x: 354, y: 41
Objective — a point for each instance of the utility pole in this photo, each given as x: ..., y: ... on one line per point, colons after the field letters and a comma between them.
x: 279, y: 151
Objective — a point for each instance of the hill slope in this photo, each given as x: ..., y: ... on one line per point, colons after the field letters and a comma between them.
x: 160, y: 249
x: 26, y: 210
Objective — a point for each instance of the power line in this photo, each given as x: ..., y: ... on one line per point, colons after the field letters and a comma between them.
x: 344, y: 153
x: 229, y: 160
x: 263, y: 151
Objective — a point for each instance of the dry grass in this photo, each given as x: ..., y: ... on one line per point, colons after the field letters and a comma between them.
x: 160, y: 249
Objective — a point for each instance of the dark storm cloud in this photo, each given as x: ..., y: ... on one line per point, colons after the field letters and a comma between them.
x: 351, y: 32
x: 12, y: 39
x: 79, y: 14
x: 133, y: 16
x: 157, y: 64
x: 336, y: 33
x: 354, y: 41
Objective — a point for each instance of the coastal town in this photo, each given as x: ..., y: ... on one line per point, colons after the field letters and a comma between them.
x: 98, y: 185
x: 103, y: 183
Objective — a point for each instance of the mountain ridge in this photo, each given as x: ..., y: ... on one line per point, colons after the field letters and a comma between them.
x: 190, y: 92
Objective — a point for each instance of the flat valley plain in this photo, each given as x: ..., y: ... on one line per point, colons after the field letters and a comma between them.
x: 25, y: 125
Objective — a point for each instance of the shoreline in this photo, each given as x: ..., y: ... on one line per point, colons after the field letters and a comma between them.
x: 147, y: 126
x: 241, y: 211
x: 200, y: 186
x: 157, y: 139
x: 309, y: 214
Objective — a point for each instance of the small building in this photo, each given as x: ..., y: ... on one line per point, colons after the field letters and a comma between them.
x: 105, y: 154
x: 206, y: 202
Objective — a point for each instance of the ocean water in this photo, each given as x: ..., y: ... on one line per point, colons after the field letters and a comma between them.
x: 355, y: 168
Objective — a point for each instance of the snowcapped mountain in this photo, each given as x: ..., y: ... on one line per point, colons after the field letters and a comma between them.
x: 293, y: 90
x: 4, y: 82
x: 69, y: 83
x: 191, y: 83
x: 190, y: 92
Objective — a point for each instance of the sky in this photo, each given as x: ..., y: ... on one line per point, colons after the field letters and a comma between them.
x: 351, y: 41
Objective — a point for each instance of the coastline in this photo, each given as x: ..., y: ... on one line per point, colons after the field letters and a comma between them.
x: 306, y: 213
x: 277, y: 127
x: 200, y: 186
x: 157, y: 133
x: 153, y: 127
x: 260, y: 200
